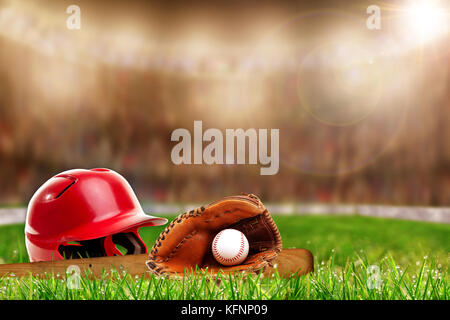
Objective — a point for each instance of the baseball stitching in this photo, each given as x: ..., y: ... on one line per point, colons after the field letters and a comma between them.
x: 236, y: 257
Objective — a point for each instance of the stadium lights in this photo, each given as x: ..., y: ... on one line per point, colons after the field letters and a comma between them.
x: 427, y: 20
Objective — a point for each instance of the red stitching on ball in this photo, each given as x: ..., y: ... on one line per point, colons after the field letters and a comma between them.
x: 238, y: 255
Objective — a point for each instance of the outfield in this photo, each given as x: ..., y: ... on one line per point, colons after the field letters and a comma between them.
x: 412, y: 257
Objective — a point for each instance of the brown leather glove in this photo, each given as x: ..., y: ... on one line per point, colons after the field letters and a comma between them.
x: 186, y: 243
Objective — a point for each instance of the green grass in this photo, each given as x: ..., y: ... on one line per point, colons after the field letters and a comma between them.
x: 412, y: 258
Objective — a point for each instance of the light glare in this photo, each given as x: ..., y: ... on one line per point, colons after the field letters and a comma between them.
x: 427, y: 20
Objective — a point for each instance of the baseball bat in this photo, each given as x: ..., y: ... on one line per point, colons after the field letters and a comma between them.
x: 288, y: 262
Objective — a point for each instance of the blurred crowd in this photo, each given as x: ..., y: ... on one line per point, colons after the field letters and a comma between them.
x: 389, y: 145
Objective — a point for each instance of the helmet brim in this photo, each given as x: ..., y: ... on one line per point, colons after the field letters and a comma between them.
x: 116, y: 224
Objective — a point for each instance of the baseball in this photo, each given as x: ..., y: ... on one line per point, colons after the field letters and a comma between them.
x: 230, y: 247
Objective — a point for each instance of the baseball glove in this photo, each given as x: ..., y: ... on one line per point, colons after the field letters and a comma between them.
x: 186, y: 242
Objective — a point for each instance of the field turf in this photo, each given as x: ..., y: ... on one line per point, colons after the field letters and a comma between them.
x: 355, y: 258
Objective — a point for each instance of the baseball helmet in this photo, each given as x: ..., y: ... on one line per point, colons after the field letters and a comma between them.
x: 85, y: 213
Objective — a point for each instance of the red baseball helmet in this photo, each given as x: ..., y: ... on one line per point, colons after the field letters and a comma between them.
x: 85, y: 213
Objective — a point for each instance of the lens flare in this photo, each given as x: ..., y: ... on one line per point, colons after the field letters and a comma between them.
x: 427, y: 20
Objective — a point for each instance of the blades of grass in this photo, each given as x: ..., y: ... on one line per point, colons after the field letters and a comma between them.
x: 183, y: 285
x: 31, y: 288
x: 398, y: 279
x: 408, y: 288
x: 130, y: 289
x: 150, y: 284
x: 419, y: 278
x: 362, y: 285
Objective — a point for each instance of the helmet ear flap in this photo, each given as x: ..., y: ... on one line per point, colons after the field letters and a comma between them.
x: 104, y: 247
x: 110, y: 248
x: 131, y: 241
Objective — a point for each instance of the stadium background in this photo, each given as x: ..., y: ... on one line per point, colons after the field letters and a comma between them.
x: 363, y: 114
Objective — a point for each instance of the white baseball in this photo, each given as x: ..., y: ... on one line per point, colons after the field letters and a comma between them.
x: 230, y: 247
